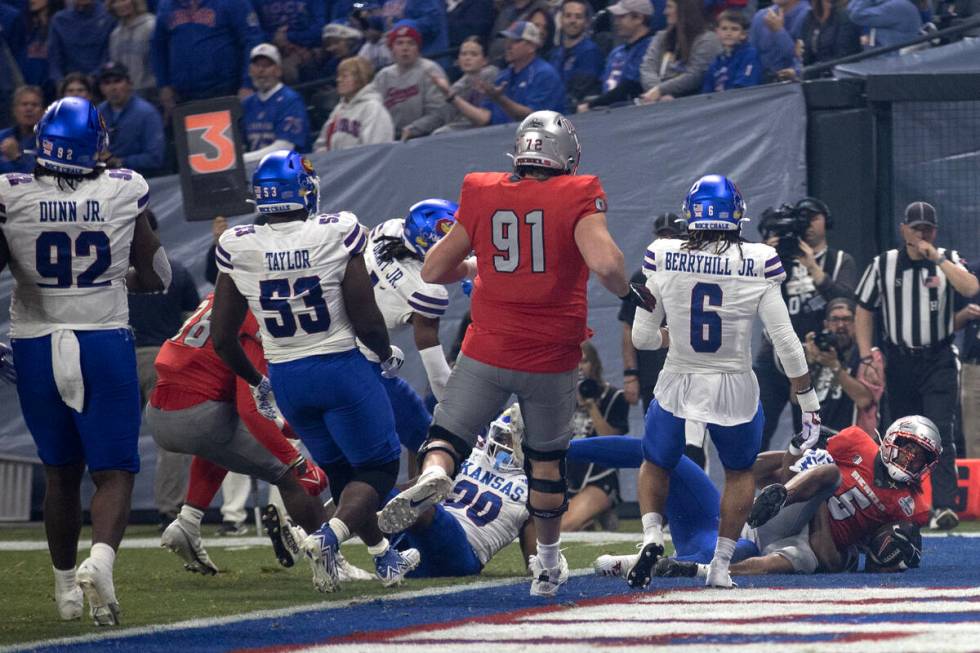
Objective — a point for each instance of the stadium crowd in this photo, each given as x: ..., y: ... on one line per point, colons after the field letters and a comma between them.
x: 332, y: 74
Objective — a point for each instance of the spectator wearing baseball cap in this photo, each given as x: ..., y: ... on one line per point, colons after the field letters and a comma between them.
x: 407, y: 90
x: 274, y: 117
x: 916, y: 290
x: 429, y: 19
x: 620, y: 81
x: 129, y: 43
x: 340, y: 41
x: 510, y: 12
x: 134, y: 126
x: 528, y: 84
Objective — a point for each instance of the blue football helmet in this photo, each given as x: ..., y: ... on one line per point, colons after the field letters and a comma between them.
x: 427, y: 222
x: 714, y: 203
x: 70, y: 137
x: 286, y: 181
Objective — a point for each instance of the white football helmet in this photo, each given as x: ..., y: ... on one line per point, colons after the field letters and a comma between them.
x: 903, y: 463
x: 503, y: 441
x: 547, y: 139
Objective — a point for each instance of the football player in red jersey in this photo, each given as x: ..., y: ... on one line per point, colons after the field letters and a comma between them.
x: 841, y: 500
x: 536, y: 233
x: 195, y: 409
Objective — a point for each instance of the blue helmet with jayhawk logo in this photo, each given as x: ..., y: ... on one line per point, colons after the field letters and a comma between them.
x: 427, y: 222
x: 286, y: 181
x: 70, y: 137
x: 714, y: 203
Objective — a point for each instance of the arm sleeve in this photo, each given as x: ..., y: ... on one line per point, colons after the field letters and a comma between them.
x: 436, y: 369
x: 839, y: 282
x: 704, y: 50
x: 867, y: 292
x: 211, y: 265
x: 775, y: 318
x: 646, y: 325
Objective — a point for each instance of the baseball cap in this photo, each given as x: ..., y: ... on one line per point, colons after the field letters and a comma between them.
x: 920, y: 213
x: 340, y: 31
x: 523, y: 30
x: 112, y: 70
x: 405, y: 27
x: 624, y: 7
x: 266, y: 50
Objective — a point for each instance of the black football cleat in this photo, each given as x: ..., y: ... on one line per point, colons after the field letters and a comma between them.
x: 767, y: 505
x: 640, y: 574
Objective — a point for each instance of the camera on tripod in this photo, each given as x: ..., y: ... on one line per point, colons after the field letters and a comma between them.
x: 787, y: 223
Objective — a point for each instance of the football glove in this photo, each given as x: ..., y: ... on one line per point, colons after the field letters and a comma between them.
x: 896, y: 545
x: 7, y: 371
x: 390, y: 367
x: 812, y: 458
x: 310, y: 476
x: 641, y: 297
x: 810, y: 435
x: 265, y: 401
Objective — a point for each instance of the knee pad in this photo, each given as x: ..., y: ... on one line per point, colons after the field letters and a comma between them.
x: 340, y: 474
x: 458, y: 450
x: 380, y: 477
x: 546, y: 486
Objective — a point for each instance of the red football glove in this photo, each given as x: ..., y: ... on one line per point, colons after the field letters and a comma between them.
x: 313, y: 479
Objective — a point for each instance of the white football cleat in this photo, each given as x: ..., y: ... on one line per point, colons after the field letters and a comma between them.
x: 97, y: 586
x: 348, y: 573
x: 401, y: 512
x: 547, y: 581
x: 184, y: 540
x: 321, y: 549
x: 616, y: 566
x: 69, y: 603
x: 393, y: 565
x: 718, y: 578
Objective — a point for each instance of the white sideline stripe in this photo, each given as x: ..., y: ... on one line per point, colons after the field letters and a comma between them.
x: 273, y: 614
x: 246, y: 542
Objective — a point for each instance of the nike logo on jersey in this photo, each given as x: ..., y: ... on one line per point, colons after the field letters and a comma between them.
x: 280, y: 261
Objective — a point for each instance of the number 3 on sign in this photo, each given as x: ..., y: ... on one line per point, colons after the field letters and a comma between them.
x: 505, y: 227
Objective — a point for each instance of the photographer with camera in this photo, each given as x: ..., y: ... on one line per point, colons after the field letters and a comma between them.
x: 834, y: 360
x: 816, y: 274
x: 602, y: 410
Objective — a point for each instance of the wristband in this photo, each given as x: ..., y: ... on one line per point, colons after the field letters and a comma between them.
x: 794, y: 450
x: 867, y: 360
x: 631, y: 371
x: 808, y: 400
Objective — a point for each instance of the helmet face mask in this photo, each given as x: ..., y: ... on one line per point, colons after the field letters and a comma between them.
x: 71, y: 137
x: 547, y: 139
x: 910, y: 448
x: 285, y: 182
x: 427, y: 223
x: 502, y: 443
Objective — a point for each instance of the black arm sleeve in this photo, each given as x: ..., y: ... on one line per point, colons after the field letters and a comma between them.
x: 211, y: 266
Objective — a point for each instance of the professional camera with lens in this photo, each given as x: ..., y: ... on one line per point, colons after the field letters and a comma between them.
x: 589, y: 388
x: 825, y: 340
x: 789, y: 225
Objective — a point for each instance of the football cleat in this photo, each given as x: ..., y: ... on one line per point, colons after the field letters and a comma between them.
x: 69, y: 603
x: 943, y: 519
x: 767, y: 505
x: 718, y: 578
x: 348, y: 573
x: 321, y: 548
x: 639, y: 575
x: 545, y: 582
x: 393, y: 565
x: 97, y: 586
x: 185, y: 541
x: 284, y: 545
x: 617, y: 566
x: 672, y: 568
x: 401, y: 512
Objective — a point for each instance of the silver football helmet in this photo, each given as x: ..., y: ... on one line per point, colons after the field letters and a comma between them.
x: 547, y: 139
x: 904, y: 463
x: 503, y: 441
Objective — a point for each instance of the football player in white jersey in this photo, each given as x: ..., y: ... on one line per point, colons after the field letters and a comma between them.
x: 70, y: 232
x: 395, y: 252
x: 711, y: 287
x: 302, y: 274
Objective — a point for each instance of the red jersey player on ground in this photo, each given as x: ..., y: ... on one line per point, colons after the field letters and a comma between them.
x: 536, y: 232
x: 195, y: 408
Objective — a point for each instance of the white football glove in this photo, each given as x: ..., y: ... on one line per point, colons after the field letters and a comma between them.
x: 390, y: 367
x: 265, y: 401
x: 812, y: 458
x: 810, y: 434
x: 7, y: 371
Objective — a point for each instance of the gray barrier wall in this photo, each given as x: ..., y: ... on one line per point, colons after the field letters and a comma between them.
x: 647, y: 158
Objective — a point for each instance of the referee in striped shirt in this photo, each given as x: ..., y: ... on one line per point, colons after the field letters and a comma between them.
x: 915, y: 289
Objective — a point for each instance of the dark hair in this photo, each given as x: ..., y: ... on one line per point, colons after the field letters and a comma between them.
x: 733, y: 16
x: 473, y: 38
x: 698, y: 239
x: 70, y: 179
x: 548, y: 38
x: 82, y: 78
x: 394, y: 248
x: 584, y: 3
x: 690, y: 24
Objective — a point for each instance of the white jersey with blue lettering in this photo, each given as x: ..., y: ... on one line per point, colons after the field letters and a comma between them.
x: 291, y: 273
x: 69, y: 249
x: 490, y: 504
x: 711, y: 300
x: 398, y: 287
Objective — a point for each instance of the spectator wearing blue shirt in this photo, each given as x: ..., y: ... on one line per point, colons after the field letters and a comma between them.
x: 200, y: 49
x: 274, y: 117
x: 889, y: 21
x: 738, y: 65
x: 528, y: 84
x: 134, y: 126
x: 773, y: 34
x: 621, y: 77
x: 28, y: 107
x: 293, y: 26
x: 430, y: 19
x: 78, y: 39
x: 577, y: 59
x: 469, y: 18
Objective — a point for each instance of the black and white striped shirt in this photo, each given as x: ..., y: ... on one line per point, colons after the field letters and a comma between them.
x: 915, y: 298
